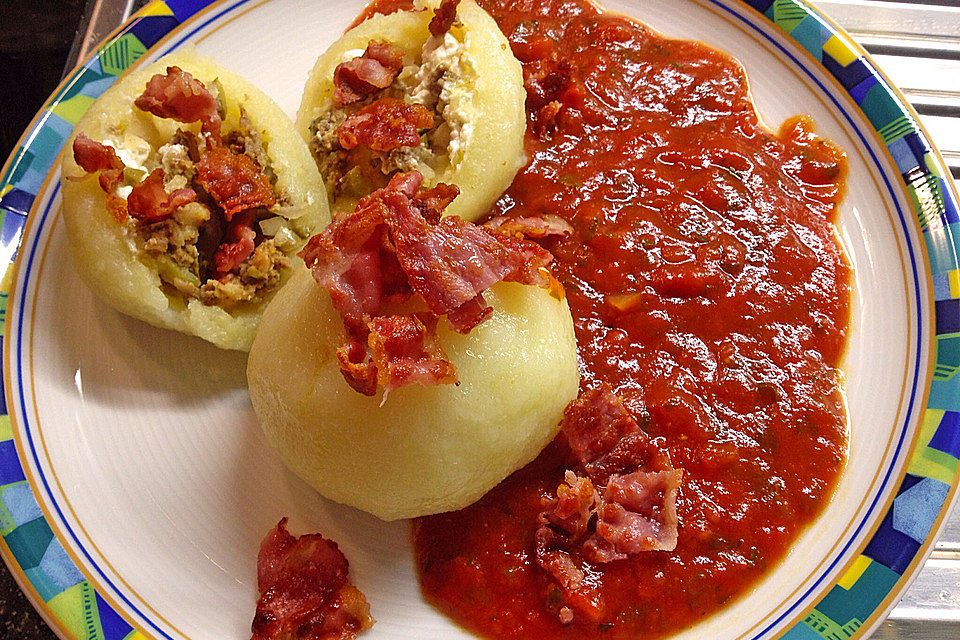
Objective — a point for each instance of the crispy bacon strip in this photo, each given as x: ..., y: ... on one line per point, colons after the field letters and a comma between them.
x: 93, y: 156
x: 605, y: 437
x: 546, y: 80
x: 367, y: 75
x: 396, y: 244
x: 443, y: 17
x: 451, y: 263
x: 359, y: 372
x: 433, y: 201
x: 304, y: 591
x: 405, y: 351
x: 638, y: 513
x: 625, y: 504
x: 387, y: 124
x: 179, y: 96
x: 237, y: 246
x: 234, y: 180
x: 347, y: 260
x: 564, y: 523
x: 149, y: 202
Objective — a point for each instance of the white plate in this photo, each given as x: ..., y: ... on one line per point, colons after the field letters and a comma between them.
x: 142, y: 486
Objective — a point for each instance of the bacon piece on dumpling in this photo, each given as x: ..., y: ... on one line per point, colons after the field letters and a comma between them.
x: 367, y: 75
x: 385, y: 125
x: 396, y: 245
x: 443, y: 17
x: 149, y: 202
x: 179, y: 96
x: 234, y: 180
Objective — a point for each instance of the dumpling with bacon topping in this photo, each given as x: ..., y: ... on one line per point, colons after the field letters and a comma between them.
x: 187, y: 194
x: 436, y: 91
x: 420, y: 361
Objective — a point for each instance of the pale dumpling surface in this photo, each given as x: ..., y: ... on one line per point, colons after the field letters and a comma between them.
x: 485, y: 96
x: 107, y: 257
x: 426, y: 449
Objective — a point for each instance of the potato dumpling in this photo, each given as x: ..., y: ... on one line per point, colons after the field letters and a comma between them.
x: 161, y: 271
x: 469, y: 80
x: 424, y: 449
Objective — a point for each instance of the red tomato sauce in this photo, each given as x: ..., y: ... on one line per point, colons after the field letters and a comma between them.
x: 707, y: 288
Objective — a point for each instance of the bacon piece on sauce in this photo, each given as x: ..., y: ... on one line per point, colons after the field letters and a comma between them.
x: 385, y: 125
x: 388, y: 248
x: 625, y: 504
x: 179, y: 96
x: 637, y: 513
x: 149, y: 202
x: 563, y: 523
x: 443, y: 17
x: 605, y: 437
x: 234, y: 180
x: 304, y: 591
x: 367, y: 75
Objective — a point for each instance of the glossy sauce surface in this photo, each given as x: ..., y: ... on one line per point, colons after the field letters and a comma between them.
x: 707, y: 288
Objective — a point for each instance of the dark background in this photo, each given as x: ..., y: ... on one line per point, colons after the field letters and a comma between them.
x: 35, y: 40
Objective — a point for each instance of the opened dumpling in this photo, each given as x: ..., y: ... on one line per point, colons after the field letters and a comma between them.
x: 424, y: 449
x: 456, y: 90
x: 187, y: 210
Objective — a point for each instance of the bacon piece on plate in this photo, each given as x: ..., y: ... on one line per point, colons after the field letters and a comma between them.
x: 443, y: 17
x: 638, y: 513
x: 149, y: 202
x: 237, y: 246
x: 93, y: 156
x: 367, y: 75
x: 530, y: 226
x: 384, y: 125
x: 405, y: 351
x: 625, y: 505
x: 234, y: 180
x: 304, y: 592
x: 179, y: 96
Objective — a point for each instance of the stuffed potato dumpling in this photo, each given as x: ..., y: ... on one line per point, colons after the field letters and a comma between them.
x: 419, y: 450
x: 460, y: 91
x: 187, y: 211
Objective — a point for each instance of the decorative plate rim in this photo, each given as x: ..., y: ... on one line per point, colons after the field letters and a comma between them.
x: 865, y: 590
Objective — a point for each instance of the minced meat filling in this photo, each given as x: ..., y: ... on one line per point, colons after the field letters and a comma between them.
x: 356, y: 172
x: 183, y: 246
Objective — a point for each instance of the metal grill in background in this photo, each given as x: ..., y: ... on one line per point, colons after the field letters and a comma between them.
x: 917, y: 44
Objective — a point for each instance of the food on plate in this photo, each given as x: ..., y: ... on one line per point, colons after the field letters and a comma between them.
x: 304, y: 590
x: 415, y: 367
x: 710, y: 298
x: 187, y: 194
x: 430, y: 90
